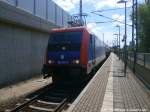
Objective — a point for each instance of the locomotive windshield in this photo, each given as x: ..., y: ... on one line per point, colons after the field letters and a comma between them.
x: 70, y: 41
x: 63, y: 37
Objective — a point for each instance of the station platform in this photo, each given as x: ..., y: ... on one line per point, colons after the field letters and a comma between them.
x: 111, y: 91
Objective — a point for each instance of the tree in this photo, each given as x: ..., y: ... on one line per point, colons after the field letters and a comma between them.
x: 144, y: 27
x: 147, y: 1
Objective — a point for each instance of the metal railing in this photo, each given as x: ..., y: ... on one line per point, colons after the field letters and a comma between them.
x: 45, y: 9
x: 142, y: 59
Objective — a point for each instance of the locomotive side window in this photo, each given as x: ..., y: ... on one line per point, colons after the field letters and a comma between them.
x: 98, y: 45
x: 90, y: 39
x: 91, y: 47
x: 94, y: 47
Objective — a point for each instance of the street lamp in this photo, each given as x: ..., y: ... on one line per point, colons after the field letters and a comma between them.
x: 119, y: 40
x: 125, y: 41
x: 116, y: 40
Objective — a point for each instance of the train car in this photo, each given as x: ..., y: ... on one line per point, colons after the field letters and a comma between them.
x: 71, y: 54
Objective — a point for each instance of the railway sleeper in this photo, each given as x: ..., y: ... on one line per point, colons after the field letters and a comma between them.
x: 49, y: 103
x: 41, y: 108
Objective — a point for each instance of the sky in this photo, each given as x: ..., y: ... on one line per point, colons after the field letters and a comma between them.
x: 108, y: 29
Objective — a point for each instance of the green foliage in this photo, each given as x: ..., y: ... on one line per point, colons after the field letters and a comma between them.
x: 144, y: 27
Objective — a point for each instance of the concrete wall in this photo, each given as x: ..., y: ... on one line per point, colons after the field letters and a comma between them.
x: 45, y: 9
x: 21, y: 51
x: 23, y: 39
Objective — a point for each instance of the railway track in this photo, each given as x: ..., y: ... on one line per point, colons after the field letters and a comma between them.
x: 53, y: 99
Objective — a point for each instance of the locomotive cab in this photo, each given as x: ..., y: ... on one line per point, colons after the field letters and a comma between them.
x: 71, y: 54
x: 63, y: 56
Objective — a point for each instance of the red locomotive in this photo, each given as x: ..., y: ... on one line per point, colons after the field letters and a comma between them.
x: 71, y: 54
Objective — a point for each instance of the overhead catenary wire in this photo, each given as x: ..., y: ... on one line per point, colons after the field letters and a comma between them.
x: 109, y: 9
x: 111, y: 19
x: 100, y: 22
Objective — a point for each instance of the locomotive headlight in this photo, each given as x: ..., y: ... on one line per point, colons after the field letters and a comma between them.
x: 76, y: 61
x: 50, y: 61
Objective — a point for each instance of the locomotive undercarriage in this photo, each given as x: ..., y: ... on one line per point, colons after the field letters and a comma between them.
x: 66, y: 74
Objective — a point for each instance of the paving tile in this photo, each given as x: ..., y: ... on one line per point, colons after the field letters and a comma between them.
x: 110, y: 91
